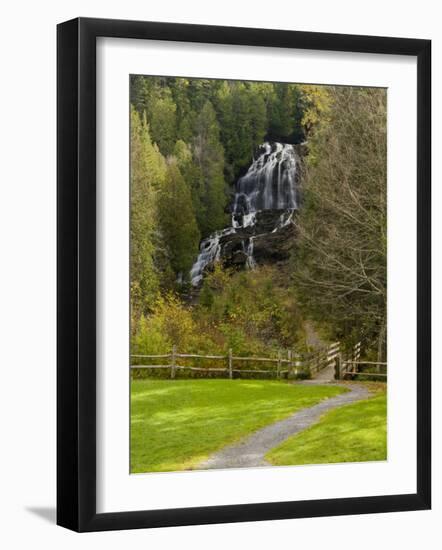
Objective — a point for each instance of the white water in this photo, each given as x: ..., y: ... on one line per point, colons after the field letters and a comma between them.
x: 250, y: 261
x: 209, y: 253
x: 269, y: 184
x: 247, y: 220
x: 284, y: 220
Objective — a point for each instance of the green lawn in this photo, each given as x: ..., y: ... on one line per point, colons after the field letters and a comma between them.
x: 353, y: 433
x: 176, y: 424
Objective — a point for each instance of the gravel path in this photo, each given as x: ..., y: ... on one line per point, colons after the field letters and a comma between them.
x: 251, y: 451
x: 326, y: 375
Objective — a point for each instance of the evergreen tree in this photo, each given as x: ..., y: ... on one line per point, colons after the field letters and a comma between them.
x: 148, y: 170
x: 177, y: 220
x: 258, y: 115
x: 140, y: 88
x: 163, y: 121
x: 193, y: 177
x: 209, y: 157
x: 180, y: 88
x: 282, y: 112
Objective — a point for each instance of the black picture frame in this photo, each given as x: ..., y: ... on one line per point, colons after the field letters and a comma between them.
x: 77, y: 287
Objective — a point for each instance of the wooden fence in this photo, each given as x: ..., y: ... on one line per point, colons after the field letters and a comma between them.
x: 325, y: 357
x: 284, y: 365
x: 350, y: 369
x: 353, y: 366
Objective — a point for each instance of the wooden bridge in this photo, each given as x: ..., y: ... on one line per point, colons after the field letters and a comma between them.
x: 326, y: 364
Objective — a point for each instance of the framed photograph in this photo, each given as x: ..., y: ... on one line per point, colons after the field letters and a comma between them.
x: 243, y: 274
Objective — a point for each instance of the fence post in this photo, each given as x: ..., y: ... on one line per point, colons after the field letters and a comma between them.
x: 173, y: 362
x: 289, y: 364
x: 338, y: 367
x: 278, y: 368
x: 356, y: 356
x: 230, y: 364
x: 357, y: 351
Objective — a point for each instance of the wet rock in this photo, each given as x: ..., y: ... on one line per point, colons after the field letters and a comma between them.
x: 272, y: 236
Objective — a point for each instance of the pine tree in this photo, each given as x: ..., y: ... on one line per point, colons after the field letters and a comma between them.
x: 163, y: 122
x: 177, y: 220
x: 209, y: 157
x: 193, y: 177
x: 145, y: 175
x: 258, y: 114
x: 149, y: 254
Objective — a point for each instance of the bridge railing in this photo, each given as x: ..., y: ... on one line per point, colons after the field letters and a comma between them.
x: 324, y: 358
x: 352, y: 366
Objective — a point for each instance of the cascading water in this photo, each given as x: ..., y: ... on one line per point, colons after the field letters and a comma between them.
x: 209, y: 253
x: 250, y: 261
x: 270, y: 181
x: 269, y: 184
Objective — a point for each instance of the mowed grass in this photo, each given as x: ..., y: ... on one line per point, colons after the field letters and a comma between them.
x: 353, y: 433
x: 177, y: 424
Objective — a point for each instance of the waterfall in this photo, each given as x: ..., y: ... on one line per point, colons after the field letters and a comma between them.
x: 209, y: 253
x: 250, y: 261
x: 269, y: 184
x: 284, y: 220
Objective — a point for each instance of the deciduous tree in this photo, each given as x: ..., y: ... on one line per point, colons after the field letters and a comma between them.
x: 341, y: 256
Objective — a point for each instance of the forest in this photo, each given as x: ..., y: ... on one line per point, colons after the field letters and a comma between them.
x: 191, y: 141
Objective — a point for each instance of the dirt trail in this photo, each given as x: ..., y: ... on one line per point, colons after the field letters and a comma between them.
x: 251, y: 451
x: 312, y: 338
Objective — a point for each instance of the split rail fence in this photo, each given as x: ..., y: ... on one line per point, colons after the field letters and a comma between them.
x: 285, y: 365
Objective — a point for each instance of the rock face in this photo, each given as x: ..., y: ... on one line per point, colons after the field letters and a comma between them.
x: 267, y: 240
x: 263, y: 212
